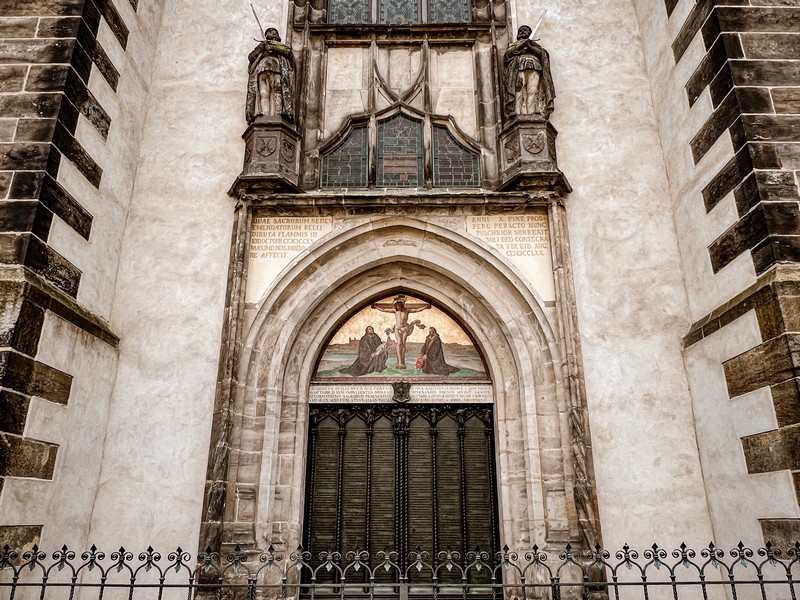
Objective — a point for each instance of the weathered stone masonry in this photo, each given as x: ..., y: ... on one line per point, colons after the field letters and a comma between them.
x: 48, y: 49
x: 752, y: 72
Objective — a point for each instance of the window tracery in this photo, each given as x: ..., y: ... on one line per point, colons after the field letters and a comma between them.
x: 398, y: 12
x: 400, y: 157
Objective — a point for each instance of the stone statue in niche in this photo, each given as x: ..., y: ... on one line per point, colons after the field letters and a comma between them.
x: 528, y: 82
x: 270, y: 85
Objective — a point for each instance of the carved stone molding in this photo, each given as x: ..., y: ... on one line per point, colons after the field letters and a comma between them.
x: 528, y: 157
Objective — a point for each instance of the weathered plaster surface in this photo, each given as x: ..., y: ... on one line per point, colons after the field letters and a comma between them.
x: 631, y: 303
x: 169, y: 303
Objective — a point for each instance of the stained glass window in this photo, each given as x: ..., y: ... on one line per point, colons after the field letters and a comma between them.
x: 399, y: 152
x: 346, y: 166
x: 453, y: 165
x: 449, y: 11
x: 348, y: 11
x: 399, y: 11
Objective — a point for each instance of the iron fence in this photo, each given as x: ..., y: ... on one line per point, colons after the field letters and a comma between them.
x: 766, y: 573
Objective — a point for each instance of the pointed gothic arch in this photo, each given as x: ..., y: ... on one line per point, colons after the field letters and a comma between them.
x: 512, y: 327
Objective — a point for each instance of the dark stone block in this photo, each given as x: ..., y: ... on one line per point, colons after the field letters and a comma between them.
x: 755, y: 19
x: 53, y: 162
x: 721, y: 85
x: 26, y: 8
x: 771, y: 45
x: 114, y: 20
x: 738, y: 135
x: 24, y: 27
x: 26, y: 184
x: 135, y: 4
x: 87, y: 104
x: 754, y: 100
x: 50, y: 384
x: 52, y: 266
x: 91, y: 17
x: 765, y: 156
x: 20, y: 537
x: 694, y: 21
x: 27, y: 458
x: 49, y: 78
x: 722, y: 118
x: 35, y: 130
x: 22, y: 325
x: 23, y: 156
x: 12, y: 78
x: 786, y: 100
x: 8, y: 128
x: 93, y: 52
x: 5, y: 182
x: 726, y: 46
x: 750, y: 230
x: 68, y: 115
x: 670, y: 6
x: 17, y: 215
x: 786, y: 398
x: 764, y: 73
x: 776, y: 185
x: 773, y: 450
x: 72, y: 149
x: 776, y: 249
x: 772, y: 362
x: 13, y: 411
x: 782, y: 533
x: 746, y: 195
x: 57, y: 199
x: 728, y: 178
x: 772, y: 128
x: 32, y: 106
x: 58, y: 27
x: 36, y: 51
x: 28, y: 250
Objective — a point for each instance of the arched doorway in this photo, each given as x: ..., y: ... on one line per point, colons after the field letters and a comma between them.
x: 538, y: 451
x: 400, y: 449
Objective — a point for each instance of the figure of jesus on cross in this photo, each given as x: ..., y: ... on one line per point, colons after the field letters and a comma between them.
x: 402, y: 328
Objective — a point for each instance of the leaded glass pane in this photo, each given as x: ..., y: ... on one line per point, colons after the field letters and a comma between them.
x: 348, y: 11
x: 399, y: 152
x: 347, y: 165
x: 399, y: 11
x: 453, y: 165
x: 449, y: 11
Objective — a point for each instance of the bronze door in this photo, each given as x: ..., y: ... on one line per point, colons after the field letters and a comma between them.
x: 397, y: 477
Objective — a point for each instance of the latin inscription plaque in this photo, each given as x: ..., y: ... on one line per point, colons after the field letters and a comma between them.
x: 380, y: 393
x: 525, y: 241
x: 274, y: 243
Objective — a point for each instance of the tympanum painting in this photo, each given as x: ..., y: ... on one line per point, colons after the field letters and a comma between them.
x: 400, y: 337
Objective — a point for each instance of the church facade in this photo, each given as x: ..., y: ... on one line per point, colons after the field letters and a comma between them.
x: 369, y: 274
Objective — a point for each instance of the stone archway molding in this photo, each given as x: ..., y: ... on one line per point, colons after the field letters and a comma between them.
x: 282, y: 336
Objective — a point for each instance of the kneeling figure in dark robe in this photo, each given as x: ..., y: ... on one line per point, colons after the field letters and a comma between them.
x: 372, y: 355
x: 433, y: 351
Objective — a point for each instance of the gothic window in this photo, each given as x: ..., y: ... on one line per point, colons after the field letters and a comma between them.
x: 399, y: 11
x: 400, y: 157
x: 453, y: 165
x: 399, y: 152
x: 346, y: 166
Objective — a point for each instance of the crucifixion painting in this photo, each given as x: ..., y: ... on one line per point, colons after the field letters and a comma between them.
x: 400, y: 336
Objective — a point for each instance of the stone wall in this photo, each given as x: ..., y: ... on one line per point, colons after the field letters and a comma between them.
x: 722, y: 74
x: 73, y: 81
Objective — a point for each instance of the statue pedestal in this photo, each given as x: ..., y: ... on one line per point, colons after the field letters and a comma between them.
x: 271, y: 157
x: 528, y: 155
